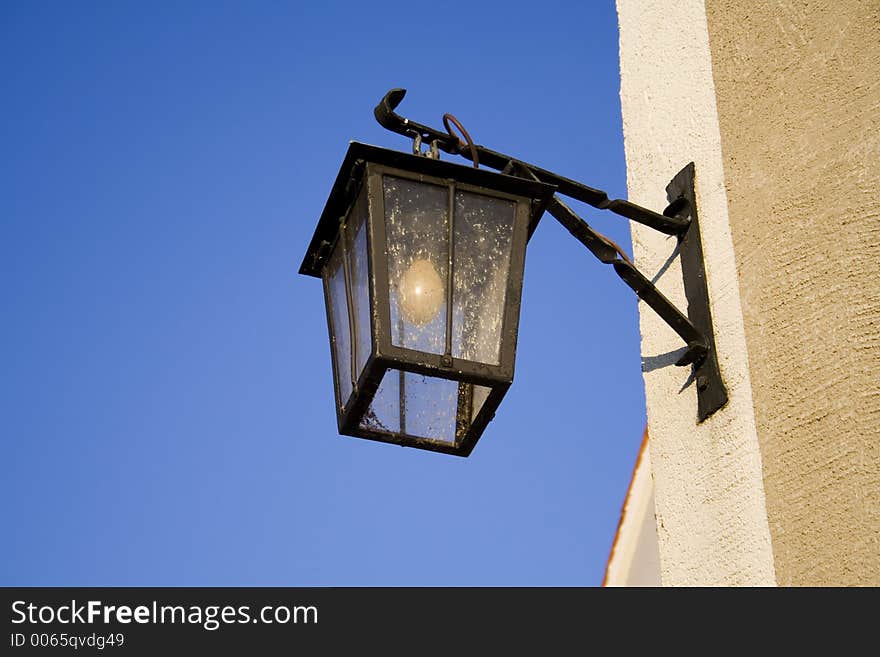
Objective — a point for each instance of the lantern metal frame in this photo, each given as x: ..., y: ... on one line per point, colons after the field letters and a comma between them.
x: 363, y: 171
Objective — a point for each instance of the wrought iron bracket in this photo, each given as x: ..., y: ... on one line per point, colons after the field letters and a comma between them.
x: 679, y: 219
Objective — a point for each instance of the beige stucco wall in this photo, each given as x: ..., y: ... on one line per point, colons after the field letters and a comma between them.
x: 708, y: 483
x: 798, y: 98
x: 778, y: 104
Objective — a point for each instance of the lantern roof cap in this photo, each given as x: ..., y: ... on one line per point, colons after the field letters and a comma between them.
x: 347, y: 184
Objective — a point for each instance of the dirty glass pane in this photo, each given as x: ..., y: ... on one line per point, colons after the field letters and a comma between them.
x: 334, y: 275
x: 356, y: 228
x: 483, y: 235
x: 384, y: 412
x: 417, y: 232
x: 433, y: 408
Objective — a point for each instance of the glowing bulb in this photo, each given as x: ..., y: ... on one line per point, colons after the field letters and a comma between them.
x: 420, y: 293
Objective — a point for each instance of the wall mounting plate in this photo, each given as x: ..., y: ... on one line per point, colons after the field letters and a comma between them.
x: 711, y: 392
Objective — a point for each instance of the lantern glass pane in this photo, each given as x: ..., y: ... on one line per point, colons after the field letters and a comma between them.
x: 384, y: 412
x: 356, y: 228
x: 417, y: 234
x: 334, y: 275
x: 480, y: 395
x: 483, y: 234
x: 432, y: 408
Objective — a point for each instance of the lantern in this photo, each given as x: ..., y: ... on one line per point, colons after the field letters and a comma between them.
x: 422, y: 265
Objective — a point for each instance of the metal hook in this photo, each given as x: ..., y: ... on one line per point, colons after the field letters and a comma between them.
x: 390, y: 120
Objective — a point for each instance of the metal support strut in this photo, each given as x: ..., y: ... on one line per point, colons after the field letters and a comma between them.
x: 679, y: 219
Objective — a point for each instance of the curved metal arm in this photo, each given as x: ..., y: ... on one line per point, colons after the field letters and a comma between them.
x: 698, y: 345
x: 390, y: 120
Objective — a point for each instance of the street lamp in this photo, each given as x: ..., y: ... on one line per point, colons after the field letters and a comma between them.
x: 422, y: 264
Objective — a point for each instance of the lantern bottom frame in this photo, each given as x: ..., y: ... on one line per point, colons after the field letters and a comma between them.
x: 352, y: 416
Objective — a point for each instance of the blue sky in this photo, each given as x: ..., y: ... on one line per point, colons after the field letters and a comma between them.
x: 167, y: 406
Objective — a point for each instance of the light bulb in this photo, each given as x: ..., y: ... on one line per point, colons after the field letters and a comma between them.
x: 420, y: 293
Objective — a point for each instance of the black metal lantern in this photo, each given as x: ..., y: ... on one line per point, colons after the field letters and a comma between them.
x: 422, y: 264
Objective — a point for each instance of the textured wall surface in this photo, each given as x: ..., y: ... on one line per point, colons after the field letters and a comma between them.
x: 798, y: 97
x: 708, y: 485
